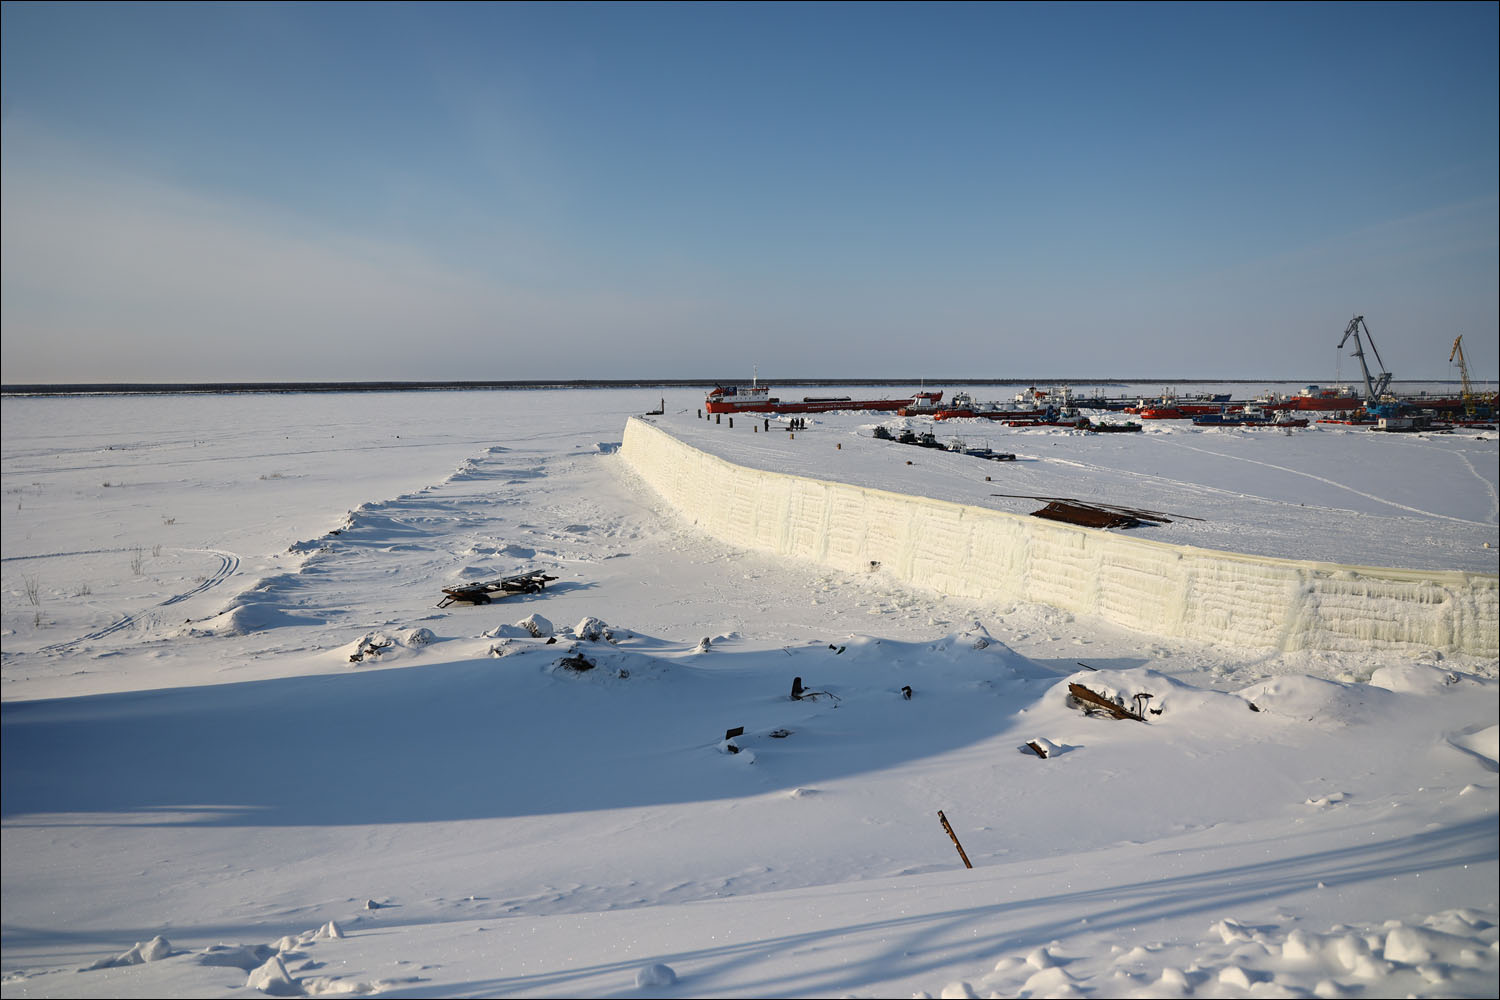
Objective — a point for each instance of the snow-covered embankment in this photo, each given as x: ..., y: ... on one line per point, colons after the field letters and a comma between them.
x: 988, y: 555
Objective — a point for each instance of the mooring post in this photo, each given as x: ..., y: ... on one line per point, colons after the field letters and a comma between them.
x: 944, y: 820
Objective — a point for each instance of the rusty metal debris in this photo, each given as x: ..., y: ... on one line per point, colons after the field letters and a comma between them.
x: 369, y: 648
x: 1140, y: 514
x: 1092, y: 701
x: 1087, y: 515
x: 577, y: 662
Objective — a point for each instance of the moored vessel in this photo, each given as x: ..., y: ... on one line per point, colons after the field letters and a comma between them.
x: 1313, y: 397
x: 757, y: 398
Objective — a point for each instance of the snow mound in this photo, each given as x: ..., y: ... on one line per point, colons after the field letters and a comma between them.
x: 272, y: 978
x: 1312, y: 699
x: 235, y: 956
x: 154, y: 950
x: 1484, y: 744
x: 536, y: 626
x: 1049, y: 749
x: 1156, y: 697
x: 1415, y: 678
x: 593, y: 629
x: 381, y: 646
x: 259, y: 608
x: 655, y: 975
x: 606, y: 665
x: 1447, y: 954
x: 468, y: 469
x: 246, y: 618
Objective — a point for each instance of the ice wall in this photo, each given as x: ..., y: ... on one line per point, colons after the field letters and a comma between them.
x: 988, y: 555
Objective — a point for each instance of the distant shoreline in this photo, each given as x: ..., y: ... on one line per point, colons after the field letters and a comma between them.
x: 233, y: 388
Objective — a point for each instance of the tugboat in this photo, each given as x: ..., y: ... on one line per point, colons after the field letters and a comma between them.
x: 964, y: 405
x: 1237, y: 416
x: 739, y: 398
x: 1249, y: 416
x: 1068, y: 416
x: 923, y: 404
x: 1284, y: 418
x: 1102, y: 427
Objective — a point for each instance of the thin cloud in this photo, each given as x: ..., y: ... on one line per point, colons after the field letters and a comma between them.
x: 112, y: 275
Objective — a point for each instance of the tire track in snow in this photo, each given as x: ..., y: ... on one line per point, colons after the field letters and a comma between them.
x: 420, y: 445
x: 63, y: 555
x: 1494, y: 498
x: 229, y: 563
x: 1330, y: 482
x: 1184, y: 484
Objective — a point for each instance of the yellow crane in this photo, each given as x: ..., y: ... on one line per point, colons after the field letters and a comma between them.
x: 1470, y: 409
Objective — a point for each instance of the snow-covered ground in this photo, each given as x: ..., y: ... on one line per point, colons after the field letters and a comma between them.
x: 192, y: 753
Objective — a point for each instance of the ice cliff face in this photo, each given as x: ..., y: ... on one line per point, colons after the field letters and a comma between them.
x: 987, y: 555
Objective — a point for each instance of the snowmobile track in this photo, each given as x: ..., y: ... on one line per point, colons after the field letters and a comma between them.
x: 229, y: 563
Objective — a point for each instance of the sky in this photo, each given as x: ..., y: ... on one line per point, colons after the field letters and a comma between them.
x: 276, y: 192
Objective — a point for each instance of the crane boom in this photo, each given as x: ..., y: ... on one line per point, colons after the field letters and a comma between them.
x: 1376, y: 385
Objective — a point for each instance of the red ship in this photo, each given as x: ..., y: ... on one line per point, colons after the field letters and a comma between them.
x: 1168, y: 407
x: 1339, y: 397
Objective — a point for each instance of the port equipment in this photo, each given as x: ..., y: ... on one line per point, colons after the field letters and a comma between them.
x: 1375, y: 386
x: 1471, y: 408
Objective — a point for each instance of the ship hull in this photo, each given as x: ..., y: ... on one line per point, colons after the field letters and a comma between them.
x: 763, y: 404
x: 1331, y: 403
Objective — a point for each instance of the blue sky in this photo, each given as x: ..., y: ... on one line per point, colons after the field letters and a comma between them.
x: 271, y: 192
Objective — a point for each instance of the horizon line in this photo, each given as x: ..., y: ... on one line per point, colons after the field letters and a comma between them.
x: 378, y: 385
